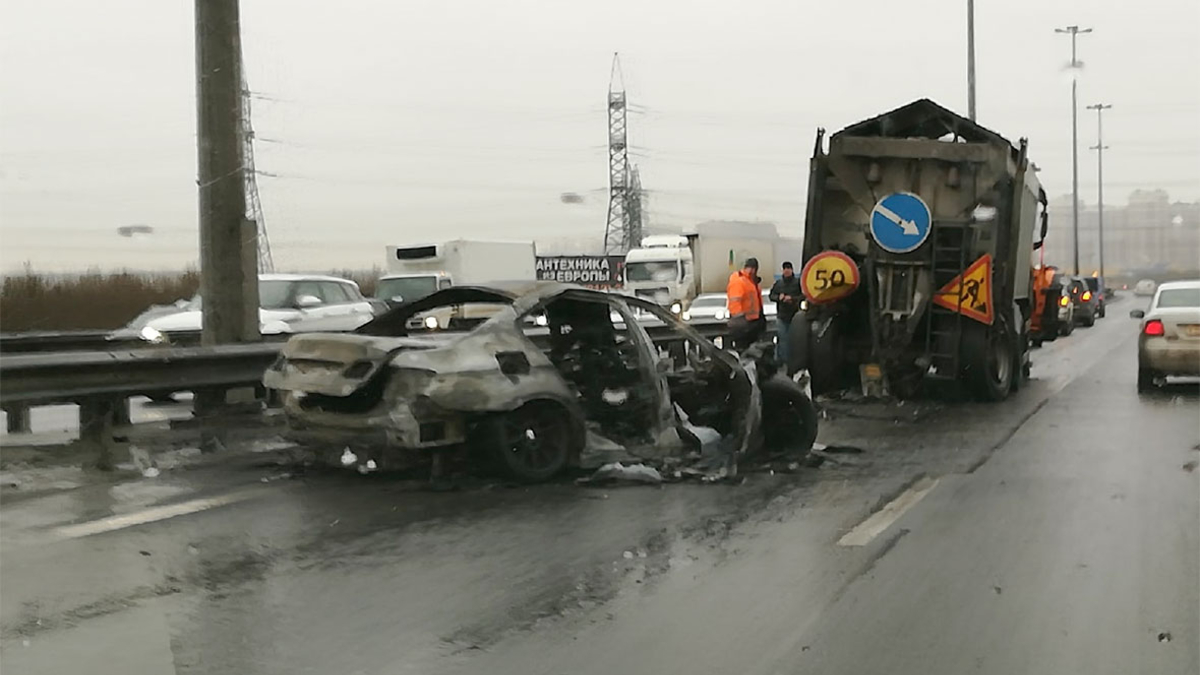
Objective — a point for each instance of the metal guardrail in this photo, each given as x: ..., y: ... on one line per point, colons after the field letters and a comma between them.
x: 39, y: 379
x: 101, y: 382
x: 47, y: 341
x: 71, y: 376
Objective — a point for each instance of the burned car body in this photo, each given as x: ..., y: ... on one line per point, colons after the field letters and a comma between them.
x: 558, y: 375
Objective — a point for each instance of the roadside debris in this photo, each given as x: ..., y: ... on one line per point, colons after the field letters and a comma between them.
x: 616, y: 472
x: 840, y: 449
x: 1164, y: 637
x: 830, y: 457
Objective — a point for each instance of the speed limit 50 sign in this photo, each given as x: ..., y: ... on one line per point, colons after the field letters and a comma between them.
x: 828, y: 276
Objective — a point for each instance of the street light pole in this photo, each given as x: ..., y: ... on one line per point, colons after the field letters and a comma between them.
x: 1099, y: 147
x: 971, y: 59
x: 1074, y: 32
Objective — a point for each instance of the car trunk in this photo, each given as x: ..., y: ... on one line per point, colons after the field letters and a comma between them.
x: 337, y: 364
x: 1181, y: 323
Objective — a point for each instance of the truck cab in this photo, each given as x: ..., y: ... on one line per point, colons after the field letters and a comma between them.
x: 661, y: 270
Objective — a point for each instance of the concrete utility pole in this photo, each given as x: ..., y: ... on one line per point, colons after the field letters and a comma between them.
x: 1100, y: 147
x: 1074, y: 32
x: 971, y: 59
x: 228, y: 240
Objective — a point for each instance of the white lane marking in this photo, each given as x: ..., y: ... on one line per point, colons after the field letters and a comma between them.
x: 872, y: 527
x: 151, y: 515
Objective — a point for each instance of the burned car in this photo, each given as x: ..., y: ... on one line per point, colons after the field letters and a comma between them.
x: 557, y: 376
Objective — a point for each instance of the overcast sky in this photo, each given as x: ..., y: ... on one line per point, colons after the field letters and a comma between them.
x: 389, y: 122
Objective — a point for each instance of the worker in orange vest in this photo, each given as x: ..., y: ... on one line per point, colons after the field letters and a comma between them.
x: 744, y: 301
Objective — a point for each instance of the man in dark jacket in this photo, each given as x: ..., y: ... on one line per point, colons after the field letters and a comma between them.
x: 786, y: 296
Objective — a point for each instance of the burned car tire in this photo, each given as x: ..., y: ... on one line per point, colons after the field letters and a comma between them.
x: 789, y: 418
x: 532, y: 443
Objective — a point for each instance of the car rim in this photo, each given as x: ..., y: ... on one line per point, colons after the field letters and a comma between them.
x: 534, y: 440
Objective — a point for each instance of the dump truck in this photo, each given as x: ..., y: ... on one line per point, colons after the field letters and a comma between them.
x: 920, y: 232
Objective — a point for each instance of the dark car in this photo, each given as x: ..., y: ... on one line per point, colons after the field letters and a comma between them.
x: 1087, y: 303
x: 1099, y: 290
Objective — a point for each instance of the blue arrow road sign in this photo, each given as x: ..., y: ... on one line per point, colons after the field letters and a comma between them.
x: 900, y: 222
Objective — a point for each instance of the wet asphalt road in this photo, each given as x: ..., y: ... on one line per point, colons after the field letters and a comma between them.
x: 1056, y: 533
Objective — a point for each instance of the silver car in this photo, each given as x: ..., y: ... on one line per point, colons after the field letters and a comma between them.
x: 1169, y: 341
x: 529, y: 398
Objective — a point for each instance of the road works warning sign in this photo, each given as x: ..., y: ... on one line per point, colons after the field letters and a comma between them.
x: 975, y: 287
x: 828, y: 276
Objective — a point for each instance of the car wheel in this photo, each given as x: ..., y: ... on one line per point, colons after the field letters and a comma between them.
x: 988, y: 361
x: 1089, y: 321
x: 789, y: 418
x: 1103, y: 311
x: 533, y: 442
x: 1068, y: 326
x: 1145, y: 380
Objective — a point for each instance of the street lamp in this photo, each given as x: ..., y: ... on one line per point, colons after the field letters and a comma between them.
x: 1099, y: 147
x: 1074, y: 31
x: 971, y: 59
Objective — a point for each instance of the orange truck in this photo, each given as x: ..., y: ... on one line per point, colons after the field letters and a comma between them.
x: 1044, y: 324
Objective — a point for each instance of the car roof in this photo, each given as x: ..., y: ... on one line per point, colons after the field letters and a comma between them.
x: 1195, y: 283
x: 303, y: 277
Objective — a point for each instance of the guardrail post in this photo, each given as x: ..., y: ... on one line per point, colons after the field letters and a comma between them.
x: 121, y: 412
x: 18, y: 419
x: 96, y: 429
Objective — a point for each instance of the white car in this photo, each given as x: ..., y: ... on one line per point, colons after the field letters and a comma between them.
x: 1169, y: 343
x: 1145, y: 287
x: 288, y: 303
x: 769, y: 308
x: 708, y: 307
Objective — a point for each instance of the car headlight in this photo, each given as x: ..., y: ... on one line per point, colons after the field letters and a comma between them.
x: 152, y: 335
x: 676, y: 308
x: 541, y: 320
x: 431, y: 322
x: 721, y: 315
x: 686, y: 316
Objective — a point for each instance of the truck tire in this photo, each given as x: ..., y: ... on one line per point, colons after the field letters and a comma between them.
x: 987, y: 358
x: 798, y: 335
x: 789, y: 418
x: 825, y: 357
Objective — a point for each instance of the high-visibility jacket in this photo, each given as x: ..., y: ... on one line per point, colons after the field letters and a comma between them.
x: 743, y: 296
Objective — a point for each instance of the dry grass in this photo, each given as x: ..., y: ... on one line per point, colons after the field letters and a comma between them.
x: 94, y: 300
x: 102, y: 301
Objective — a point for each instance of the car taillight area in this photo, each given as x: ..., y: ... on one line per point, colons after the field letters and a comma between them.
x: 1064, y: 301
x: 1087, y: 296
x: 1154, y: 328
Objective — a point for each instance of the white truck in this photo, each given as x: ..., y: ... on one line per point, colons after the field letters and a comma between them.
x: 671, y: 270
x: 414, y: 272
